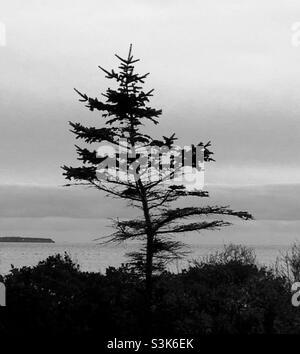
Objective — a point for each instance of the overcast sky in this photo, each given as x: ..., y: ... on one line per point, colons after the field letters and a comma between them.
x: 222, y: 71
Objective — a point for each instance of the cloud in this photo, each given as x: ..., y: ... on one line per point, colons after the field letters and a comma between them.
x: 41, y: 202
x: 78, y: 214
x: 271, y: 202
x: 222, y: 72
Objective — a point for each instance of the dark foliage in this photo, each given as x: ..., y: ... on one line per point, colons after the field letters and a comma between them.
x: 216, y: 296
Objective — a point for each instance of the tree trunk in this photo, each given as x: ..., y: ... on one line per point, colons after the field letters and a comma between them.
x: 149, y: 266
x: 149, y: 284
x: 149, y: 259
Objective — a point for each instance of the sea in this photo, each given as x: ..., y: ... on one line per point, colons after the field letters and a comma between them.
x: 95, y: 257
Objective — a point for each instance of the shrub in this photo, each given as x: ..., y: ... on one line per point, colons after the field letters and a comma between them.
x: 226, y: 294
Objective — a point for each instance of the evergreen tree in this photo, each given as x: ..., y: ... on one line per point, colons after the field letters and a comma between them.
x: 125, y: 111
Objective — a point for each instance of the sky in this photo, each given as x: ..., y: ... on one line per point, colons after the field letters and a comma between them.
x: 221, y: 72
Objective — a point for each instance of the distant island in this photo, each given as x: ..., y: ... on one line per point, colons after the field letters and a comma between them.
x: 26, y: 239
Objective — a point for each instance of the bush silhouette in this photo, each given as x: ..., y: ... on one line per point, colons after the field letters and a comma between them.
x: 217, y: 295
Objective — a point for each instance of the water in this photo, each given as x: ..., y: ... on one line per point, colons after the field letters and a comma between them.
x: 94, y: 257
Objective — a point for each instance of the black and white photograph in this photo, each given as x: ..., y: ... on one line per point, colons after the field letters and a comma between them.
x: 150, y: 172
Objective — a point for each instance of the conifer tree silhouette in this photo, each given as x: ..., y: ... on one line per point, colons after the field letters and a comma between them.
x: 124, y: 112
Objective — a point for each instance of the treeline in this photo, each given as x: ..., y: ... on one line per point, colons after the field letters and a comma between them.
x: 225, y: 293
